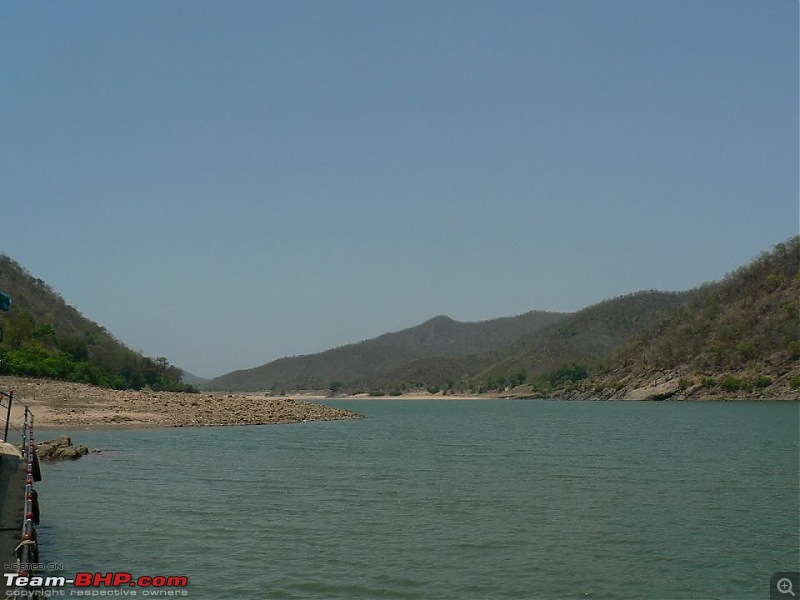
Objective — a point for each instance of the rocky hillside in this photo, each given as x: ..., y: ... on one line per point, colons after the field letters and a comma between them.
x: 739, y: 337
x: 360, y: 364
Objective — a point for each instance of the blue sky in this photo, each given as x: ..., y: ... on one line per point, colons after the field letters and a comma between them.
x: 226, y: 183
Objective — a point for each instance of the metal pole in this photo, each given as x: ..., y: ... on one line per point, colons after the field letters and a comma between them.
x: 25, y: 431
x: 8, y: 415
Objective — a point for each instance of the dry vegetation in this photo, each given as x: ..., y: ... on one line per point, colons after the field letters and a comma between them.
x: 735, y: 338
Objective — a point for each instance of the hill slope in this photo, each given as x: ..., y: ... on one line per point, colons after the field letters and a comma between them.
x: 739, y: 337
x: 440, y: 337
x: 571, y: 348
x: 46, y: 337
x: 563, y: 349
x: 735, y: 338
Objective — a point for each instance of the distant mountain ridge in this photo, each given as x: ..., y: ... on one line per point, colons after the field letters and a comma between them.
x: 580, y: 338
x: 733, y: 338
x: 587, y: 336
x: 470, y: 357
x: 439, y: 337
x: 192, y: 379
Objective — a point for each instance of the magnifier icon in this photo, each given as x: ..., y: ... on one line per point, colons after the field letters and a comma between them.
x: 784, y: 586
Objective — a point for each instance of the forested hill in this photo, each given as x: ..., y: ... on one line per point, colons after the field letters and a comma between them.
x: 579, y: 344
x: 43, y: 336
x: 370, y: 360
x: 540, y: 362
x: 736, y: 337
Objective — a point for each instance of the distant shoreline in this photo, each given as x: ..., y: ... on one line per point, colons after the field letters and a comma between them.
x: 413, y: 397
x: 66, y: 405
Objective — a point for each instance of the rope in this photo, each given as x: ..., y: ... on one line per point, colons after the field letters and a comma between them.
x: 22, y: 544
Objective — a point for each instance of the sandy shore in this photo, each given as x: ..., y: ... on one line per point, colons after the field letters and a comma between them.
x: 59, y: 404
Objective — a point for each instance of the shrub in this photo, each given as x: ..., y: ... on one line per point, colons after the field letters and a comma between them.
x: 708, y: 382
x: 761, y: 381
x: 731, y: 383
x: 568, y: 374
x: 747, y: 351
x: 774, y: 281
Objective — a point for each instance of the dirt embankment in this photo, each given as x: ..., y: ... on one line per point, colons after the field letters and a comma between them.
x: 59, y: 404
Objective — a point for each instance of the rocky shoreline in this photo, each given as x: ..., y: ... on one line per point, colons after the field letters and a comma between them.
x: 65, y: 405
x: 674, y: 385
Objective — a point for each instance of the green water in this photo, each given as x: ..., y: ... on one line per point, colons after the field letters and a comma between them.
x: 461, y: 499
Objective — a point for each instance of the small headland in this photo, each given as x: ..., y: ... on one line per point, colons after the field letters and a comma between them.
x: 65, y: 405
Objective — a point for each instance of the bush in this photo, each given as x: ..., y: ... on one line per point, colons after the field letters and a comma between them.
x: 747, y: 351
x: 731, y: 383
x: 774, y: 281
x: 568, y: 374
x: 761, y: 381
x: 541, y: 385
x: 518, y: 379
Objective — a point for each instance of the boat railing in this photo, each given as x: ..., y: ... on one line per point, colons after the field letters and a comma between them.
x: 27, y: 551
x: 20, y: 435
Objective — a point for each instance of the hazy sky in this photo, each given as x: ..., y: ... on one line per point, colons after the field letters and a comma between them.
x: 225, y: 183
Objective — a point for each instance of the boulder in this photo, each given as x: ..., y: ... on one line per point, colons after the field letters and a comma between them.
x: 60, y: 448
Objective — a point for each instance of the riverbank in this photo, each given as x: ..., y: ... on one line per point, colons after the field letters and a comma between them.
x: 60, y: 404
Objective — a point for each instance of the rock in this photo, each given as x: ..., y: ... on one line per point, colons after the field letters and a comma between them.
x: 70, y: 452
x: 659, y: 391
x: 60, y: 448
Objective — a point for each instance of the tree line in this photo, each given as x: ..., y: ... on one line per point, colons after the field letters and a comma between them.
x: 31, y: 348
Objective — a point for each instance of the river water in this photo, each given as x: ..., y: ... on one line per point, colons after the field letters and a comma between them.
x: 444, y: 499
